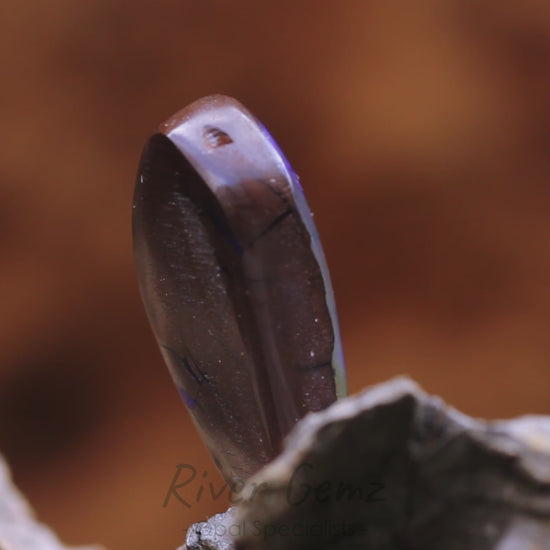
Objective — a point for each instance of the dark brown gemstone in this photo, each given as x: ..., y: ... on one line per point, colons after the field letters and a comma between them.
x: 234, y: 282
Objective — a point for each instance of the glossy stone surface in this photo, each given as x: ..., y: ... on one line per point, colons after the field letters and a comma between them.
x: 234, y: 281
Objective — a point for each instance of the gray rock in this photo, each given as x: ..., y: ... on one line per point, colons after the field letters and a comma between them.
x: 392, y: 469
x: 214, y: 533
x: 19, y: 529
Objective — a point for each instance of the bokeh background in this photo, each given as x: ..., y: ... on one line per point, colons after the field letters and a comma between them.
x: 421, y: 132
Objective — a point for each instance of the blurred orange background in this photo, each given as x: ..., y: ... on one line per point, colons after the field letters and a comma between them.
x: 421, y: 132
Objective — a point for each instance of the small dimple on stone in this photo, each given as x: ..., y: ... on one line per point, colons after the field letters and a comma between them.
x: 214, y: 137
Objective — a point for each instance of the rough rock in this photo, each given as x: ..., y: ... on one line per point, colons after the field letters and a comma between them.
x: 392, y: 469
x: 19, y: 529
